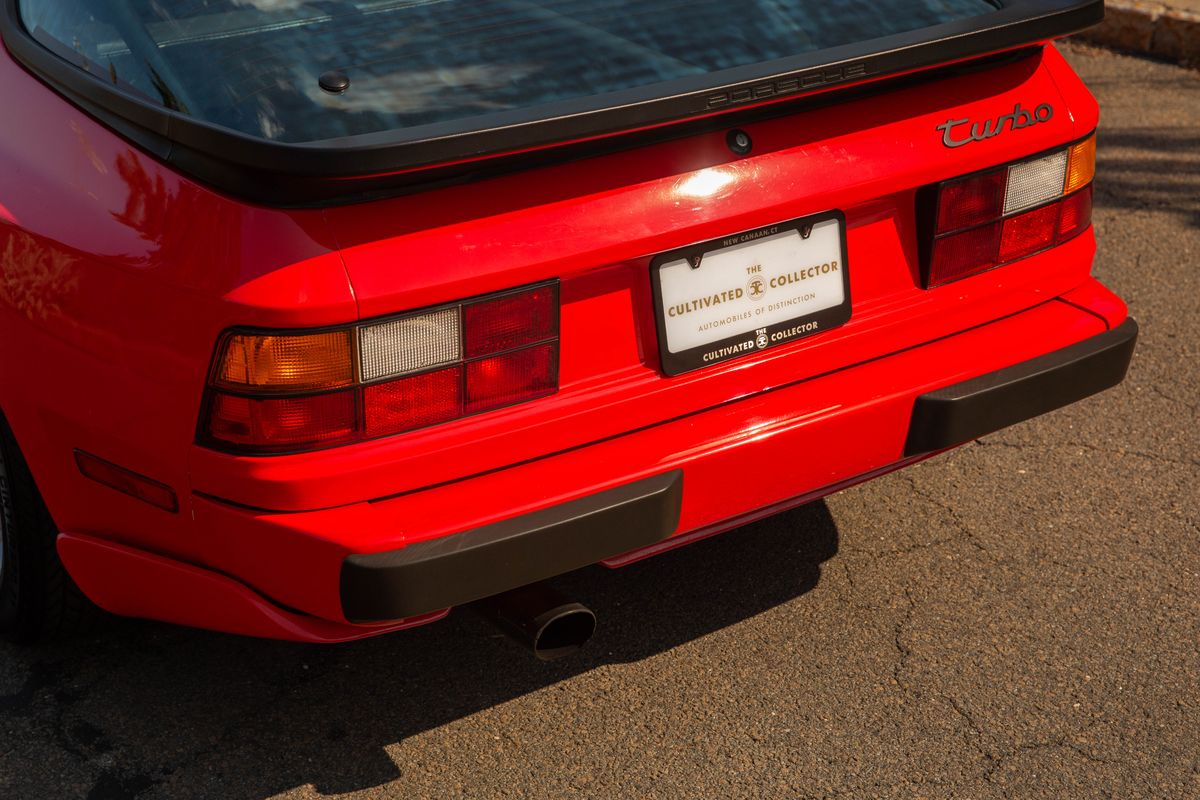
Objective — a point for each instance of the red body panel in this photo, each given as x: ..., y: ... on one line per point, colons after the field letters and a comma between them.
x: 119, y: 275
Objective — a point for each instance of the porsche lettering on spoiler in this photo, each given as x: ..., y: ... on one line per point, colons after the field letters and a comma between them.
x: 788, y: 85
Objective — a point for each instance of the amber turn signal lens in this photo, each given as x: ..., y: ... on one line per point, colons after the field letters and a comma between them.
x: 1082, y: 167
x: 261, y: 362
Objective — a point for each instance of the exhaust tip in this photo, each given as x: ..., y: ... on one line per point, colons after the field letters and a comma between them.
x: 567, y: 629
x: 540, y: 618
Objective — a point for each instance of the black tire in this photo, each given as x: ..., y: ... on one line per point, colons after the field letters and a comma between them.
x: 38, y: 599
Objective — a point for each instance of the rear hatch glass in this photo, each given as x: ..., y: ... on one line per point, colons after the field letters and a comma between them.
x: 255, y: 66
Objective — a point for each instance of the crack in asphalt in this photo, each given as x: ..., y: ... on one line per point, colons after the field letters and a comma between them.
x: 962, y: 528
x: 975, y: 735
x: 904, y: 651
x: 1190, y: 406
x: 1107, y: 451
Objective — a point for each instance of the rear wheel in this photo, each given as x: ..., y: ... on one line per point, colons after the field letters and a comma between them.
x: 38, y: 599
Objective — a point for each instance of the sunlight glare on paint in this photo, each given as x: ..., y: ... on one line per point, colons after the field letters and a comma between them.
x: 705, y: 183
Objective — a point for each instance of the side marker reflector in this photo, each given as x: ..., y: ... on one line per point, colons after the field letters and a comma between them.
x: 127, y: 481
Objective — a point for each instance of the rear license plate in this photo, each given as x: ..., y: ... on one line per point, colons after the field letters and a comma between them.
x: 749, y: 291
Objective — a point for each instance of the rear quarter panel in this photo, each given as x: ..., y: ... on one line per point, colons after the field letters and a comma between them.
x: 116, y: 276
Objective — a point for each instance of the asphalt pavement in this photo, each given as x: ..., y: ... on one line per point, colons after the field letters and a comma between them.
x: 1017, y: 619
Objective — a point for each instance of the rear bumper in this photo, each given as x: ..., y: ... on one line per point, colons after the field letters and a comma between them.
x: 970, y: 409
x: 457, y: 569
x: 365, y: 568
x: 452, y: 570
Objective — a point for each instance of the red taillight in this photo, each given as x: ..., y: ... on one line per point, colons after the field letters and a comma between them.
x: 511, y: 378
x: 405, y: 372
x: 283, y: 423
x: 966, y: 253
x: 415, y: 402
x: 1076, y: 214
x: 1029, y: 233
x: 510, y: 321
x: 972, y: 201
x: 1006, y: 214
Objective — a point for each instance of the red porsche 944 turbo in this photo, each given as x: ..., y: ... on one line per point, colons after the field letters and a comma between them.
x: 319, y: 318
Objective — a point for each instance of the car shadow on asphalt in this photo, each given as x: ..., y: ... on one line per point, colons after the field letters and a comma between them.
x: 160, y: 704
x: 1129, y: 153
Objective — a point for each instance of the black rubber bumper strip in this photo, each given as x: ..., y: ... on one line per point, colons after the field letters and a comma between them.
x: 965, y: 411
x: 457, y: 569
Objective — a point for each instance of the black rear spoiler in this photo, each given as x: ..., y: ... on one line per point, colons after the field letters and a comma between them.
x: 360, y: 167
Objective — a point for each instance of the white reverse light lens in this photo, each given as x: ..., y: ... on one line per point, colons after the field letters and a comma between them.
x: 410, y: 344
x: 1032, y: 183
